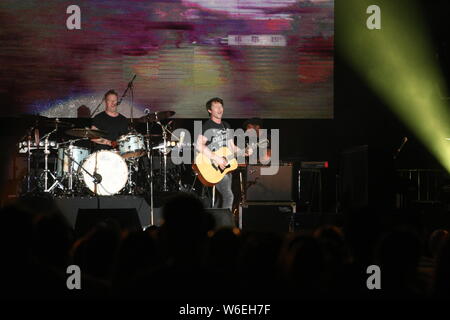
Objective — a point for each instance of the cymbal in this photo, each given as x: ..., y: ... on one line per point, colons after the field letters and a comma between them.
x: 86, y: 133
x: 45, y: 121
x: 156, y: 116
x: 53, y: 122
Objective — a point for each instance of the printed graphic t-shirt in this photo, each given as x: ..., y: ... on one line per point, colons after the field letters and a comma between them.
x: 216, y: 134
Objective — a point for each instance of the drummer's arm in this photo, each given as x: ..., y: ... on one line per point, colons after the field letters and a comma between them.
x: 100, y: 140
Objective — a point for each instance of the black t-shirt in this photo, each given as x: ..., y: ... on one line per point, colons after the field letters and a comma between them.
x: 216, y: 134
x: 114, y: 126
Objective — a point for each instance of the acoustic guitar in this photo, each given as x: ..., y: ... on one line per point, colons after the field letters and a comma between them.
x: 210, y: 173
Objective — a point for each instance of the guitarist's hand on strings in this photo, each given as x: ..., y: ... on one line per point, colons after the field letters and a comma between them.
x: 221, y: 162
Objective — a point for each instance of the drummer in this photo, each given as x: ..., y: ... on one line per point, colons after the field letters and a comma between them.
x: 111, y: 121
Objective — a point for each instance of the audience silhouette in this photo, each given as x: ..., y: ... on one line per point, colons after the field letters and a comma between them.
x: 189, y: 257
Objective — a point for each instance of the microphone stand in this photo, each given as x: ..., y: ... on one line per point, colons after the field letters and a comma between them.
x: 150, y: 158
x: 129, y: 86
x: 56, y: 182
x: 29, y: 160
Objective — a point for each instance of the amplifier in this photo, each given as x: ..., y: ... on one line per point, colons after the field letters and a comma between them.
x: 273, y: 216
x: 314, y: 164
x: 277, y: 187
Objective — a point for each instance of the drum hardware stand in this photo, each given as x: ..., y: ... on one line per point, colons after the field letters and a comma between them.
x: 72, y: 160
x: 29, y: 153
x: 131, y: 168
x: 166, y: 150
x: 97, y: 179
x: 56, y: 182
x: 29, y: 161
x: 193, y: 183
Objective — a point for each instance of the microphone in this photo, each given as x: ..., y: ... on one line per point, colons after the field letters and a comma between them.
x: 404, y: 140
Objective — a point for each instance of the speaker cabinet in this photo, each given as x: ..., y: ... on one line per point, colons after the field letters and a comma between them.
x: 267, y: 216
x: 277, y: 187
x: 310, y: 191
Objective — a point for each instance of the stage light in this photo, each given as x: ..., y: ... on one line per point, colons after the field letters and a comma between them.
x: 398, y: 61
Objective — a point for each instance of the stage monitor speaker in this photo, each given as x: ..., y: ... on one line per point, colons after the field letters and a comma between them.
x: 127, y: 219
x: 277, y: 187
x: 69, y: 206
x: 223, y: 218
x: 267, y: 217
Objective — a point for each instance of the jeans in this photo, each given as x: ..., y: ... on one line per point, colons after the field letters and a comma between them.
x: 224, y: 188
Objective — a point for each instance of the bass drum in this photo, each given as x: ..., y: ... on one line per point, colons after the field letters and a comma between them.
x: 111, y: 169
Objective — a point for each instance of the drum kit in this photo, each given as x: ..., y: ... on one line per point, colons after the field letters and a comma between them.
x: 137, y: 165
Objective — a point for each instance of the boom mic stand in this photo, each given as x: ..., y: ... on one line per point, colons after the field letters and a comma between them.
x: 129, y: 86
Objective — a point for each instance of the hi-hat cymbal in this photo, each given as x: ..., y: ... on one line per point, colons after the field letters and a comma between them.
x: 86, y: 133
x: 156, y: 116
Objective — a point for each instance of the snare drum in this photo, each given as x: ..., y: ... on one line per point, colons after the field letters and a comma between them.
x: 131, y: 146
x: 65, y: 165
x: 110, y: 168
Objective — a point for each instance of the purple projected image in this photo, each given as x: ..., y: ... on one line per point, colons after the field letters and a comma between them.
x: 266, y: 58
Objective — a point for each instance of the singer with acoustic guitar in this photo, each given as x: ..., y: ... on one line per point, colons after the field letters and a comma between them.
x: 216, y: 153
